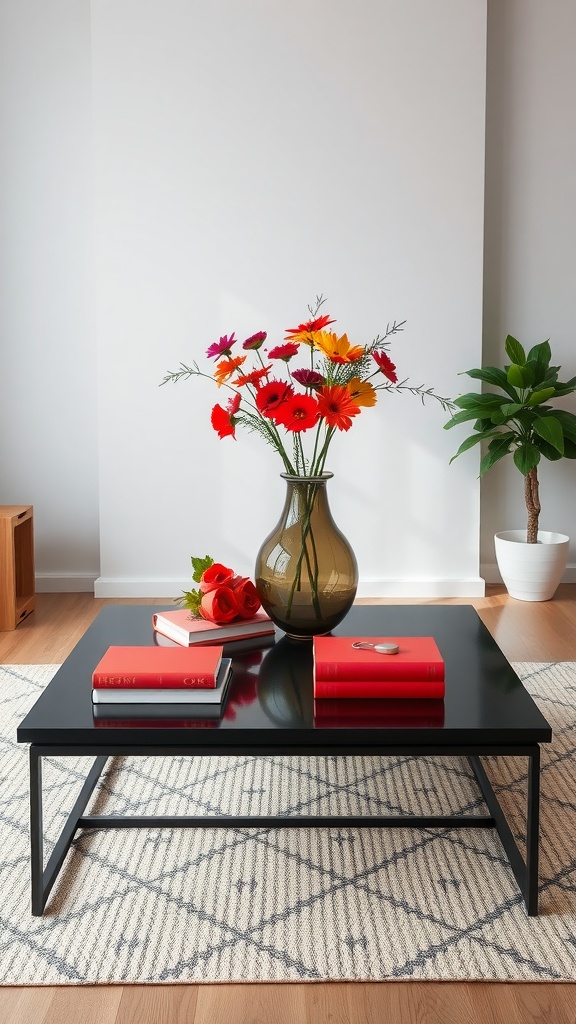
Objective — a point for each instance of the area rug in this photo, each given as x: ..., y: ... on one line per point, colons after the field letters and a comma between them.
x: 273, y: 905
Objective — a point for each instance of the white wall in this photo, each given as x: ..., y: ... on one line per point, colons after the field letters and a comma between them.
x: 530, y: 264
x: 48, y: 444
x: 48, y: 441
x: 248, y: 156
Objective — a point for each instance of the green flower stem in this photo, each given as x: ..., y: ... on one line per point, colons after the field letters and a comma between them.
x: 309, y: 499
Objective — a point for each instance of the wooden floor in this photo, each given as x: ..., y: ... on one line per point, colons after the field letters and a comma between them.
x: 525, y: 632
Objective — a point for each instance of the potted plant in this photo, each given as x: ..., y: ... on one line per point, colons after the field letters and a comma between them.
x: 515, y: 417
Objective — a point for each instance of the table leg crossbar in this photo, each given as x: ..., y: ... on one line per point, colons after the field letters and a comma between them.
x: 43, y: 878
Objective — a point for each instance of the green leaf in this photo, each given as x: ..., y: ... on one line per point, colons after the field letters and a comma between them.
x: 496, y: 451
x: 550, y: 429
x: 520, y: 376
x: 191, y: 600
x: 514, y: 351
x: 526, y: 457
x: 472, y: 440
x: 493, y: 375
x: 537, y: 397
x: 476, y: 400
x: 199, y: 566
x: 461, y: 417
x: 548, y: 451
x: 565, y: 389
x: 506, y: 412
x: 569, y: 449
x: 567, y: 421
x: 540, y: 355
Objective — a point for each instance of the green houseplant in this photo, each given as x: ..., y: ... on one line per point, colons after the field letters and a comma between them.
x: 514, y: 416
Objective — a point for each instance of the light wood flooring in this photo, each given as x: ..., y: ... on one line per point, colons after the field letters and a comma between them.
x: 525, y: 632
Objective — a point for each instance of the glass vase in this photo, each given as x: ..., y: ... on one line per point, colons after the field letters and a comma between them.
x: 306, y: 572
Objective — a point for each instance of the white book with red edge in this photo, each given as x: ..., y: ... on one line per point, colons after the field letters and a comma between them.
x: 183, y: 628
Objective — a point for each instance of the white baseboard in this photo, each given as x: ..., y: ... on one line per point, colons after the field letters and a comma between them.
x: 106, y: 586
x: 60, y: 583
x: 472, y: 587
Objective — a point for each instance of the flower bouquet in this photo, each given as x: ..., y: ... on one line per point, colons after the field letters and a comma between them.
x: 296, y: 396
x: 222, y: 595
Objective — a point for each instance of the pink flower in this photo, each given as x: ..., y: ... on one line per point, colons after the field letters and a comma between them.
x: 255, y: 340
x: 222, y: 347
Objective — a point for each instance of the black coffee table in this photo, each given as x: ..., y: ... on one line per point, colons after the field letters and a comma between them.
x: 486, y: 711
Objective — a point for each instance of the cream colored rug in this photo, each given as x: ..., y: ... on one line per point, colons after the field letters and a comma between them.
x: 289, y: 904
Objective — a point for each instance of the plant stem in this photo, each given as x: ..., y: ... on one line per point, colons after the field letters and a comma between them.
x: 532, y: 499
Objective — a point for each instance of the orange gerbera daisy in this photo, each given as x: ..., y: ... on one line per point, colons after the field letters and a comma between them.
x: 361, y: 391
x: 225, y: 369
x: 336, y: 406
x: 338, y: 350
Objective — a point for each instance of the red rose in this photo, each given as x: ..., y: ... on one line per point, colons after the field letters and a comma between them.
x: 219, y: 605
x: 246, y: 596
x: 217, y: 575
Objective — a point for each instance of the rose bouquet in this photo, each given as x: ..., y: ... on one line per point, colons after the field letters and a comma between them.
x: 297, y: 395
x: 222, y: 595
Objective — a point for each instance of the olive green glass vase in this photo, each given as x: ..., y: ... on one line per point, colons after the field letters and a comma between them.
x: 306, y: 572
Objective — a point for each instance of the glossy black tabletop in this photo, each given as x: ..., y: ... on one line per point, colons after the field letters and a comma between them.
x: 271, y: 698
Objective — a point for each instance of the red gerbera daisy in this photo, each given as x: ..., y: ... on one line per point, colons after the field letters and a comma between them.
x: 252, y: 378
x: 300, y: 412
x: 222, y: 347
x: 271, y: 396
x: 336, y: 406
x: 284, y: 352
x: 301, y: 332
x: 223, y: 419
x: 386, y: 365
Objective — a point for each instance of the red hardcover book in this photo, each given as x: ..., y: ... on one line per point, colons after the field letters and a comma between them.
x: 184, y: 629
x: 418, y: 658
x: 381, y: 688
x: 171, y: 668
x: 378, y: 714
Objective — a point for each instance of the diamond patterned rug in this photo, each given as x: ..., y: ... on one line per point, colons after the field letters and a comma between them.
x: 289, y: 904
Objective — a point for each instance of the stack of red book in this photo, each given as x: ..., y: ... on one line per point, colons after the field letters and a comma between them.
x: 344, y: 671
x: 159, y: 676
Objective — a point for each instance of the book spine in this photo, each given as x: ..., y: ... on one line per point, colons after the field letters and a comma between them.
x: 377, y: 688
x: 153, y: 681
x: 385, y: 669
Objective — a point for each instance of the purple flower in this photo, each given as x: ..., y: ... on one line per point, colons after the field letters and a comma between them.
x: 309, y: 378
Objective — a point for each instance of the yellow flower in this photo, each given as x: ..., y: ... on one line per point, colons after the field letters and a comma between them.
x: 362, y: 392
x: 338, y: 350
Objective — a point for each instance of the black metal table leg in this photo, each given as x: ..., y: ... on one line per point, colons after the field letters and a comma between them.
x: 532, y: 832
x: 525, y: 871
x: 43, y: 878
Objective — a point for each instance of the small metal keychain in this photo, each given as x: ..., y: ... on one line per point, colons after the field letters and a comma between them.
x: 383, y: 648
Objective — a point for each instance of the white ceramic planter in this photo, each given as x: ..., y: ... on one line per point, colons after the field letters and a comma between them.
x: 531, y: 572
